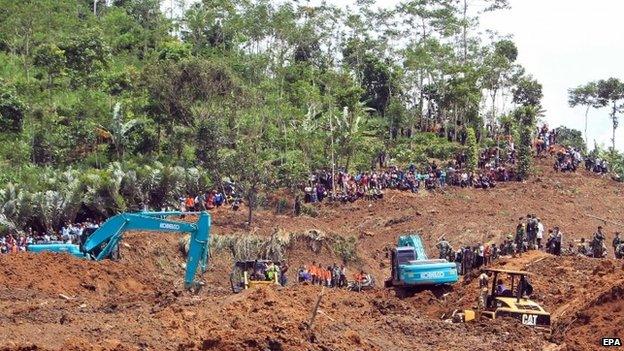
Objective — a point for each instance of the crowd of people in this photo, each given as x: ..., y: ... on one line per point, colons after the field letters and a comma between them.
x: 269, y: 271
x: 529, y: 235
x: 333, y: 276
x: 545, y: 139
x: 596, y: 165
x: 568, y: 160
x: 495, y: 164
x: 211, y: 199
x: 596, y: 247
x: 70, y: 233
x: 371, y: 184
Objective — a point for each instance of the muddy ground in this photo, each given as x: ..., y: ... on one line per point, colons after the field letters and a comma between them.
x: 57, y: 302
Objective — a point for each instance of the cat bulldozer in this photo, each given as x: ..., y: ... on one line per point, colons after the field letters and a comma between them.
x: 254, y: 273
x: 513, y: 302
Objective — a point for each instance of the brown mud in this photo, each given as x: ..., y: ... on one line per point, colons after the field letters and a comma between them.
x: 57, y: 302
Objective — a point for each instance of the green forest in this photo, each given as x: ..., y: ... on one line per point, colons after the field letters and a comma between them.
x: 121, y: 105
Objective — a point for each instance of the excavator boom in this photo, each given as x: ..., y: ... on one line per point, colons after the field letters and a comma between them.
x: 111, y: 232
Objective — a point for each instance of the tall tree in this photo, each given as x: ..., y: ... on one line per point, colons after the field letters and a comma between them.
x: 584, y: 95
x: 610, y: 93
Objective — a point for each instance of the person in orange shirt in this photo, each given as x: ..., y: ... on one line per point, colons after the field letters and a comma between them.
x: 189, y: 203
x: 327, y: 277
x: 314, y: 272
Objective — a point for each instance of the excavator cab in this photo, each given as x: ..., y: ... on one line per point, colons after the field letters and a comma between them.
x: 254, y: 273
x: 411, y: 268
x: 508, y: 296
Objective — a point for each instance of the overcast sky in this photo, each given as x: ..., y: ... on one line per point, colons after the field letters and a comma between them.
x: 563, y: 43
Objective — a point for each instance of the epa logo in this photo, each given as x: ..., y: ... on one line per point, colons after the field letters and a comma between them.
x: 611, y: 342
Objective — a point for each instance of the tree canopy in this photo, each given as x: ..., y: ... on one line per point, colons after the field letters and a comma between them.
x: 258, y: 91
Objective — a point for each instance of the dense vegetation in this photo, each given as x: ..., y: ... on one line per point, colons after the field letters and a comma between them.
x: 119, y: 106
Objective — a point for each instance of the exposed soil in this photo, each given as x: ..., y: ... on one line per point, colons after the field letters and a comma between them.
x: 57, y: 302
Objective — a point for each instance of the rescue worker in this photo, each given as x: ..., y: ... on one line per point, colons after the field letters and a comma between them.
x: 531, y: 231
x: 616, y: 242
x: 283, y: 268
x: 557, y: 240
x: 598, y: 247
x: 444, y: 248
x: 483, y: 280
x: 619, y: 251
x: 582, y: 248
x: 540, y: 233
x: 272, y: 272
x: 500, y: 287
x: 520, y: 234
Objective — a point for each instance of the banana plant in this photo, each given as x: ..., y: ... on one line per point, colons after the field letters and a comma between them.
x: 119, y: 131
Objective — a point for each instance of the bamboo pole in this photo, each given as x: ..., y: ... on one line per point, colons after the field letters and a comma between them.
x: 315, y: 311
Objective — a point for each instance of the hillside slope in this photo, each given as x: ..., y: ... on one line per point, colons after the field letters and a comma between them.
x: 138, y: 303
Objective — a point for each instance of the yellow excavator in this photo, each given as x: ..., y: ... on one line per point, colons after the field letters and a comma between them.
x: 508, y: 301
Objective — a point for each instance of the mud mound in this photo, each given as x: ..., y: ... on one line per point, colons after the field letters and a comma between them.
x: 278, y: 319
x: 601, y: 316
x: 53, y: 274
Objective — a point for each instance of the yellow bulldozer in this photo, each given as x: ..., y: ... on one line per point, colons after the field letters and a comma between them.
x: 507, y: 301
x: 254, y: 273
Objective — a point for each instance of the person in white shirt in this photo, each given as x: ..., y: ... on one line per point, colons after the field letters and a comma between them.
x: 540, y: 233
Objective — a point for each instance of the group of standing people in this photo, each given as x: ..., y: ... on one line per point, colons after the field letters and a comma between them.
x: 333, y: 276
x: 469, y: 257
x: 545, y: 139
x: 597, y: 247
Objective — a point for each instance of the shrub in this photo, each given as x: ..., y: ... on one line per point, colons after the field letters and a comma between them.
x: 309, y: 210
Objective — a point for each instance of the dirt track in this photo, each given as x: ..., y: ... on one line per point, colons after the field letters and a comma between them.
x: 138, y: 303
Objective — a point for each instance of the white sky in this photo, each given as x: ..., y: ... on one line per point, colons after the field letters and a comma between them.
x: 563, y: 44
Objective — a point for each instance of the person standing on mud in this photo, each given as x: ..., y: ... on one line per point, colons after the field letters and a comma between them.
x: 343, y: 276
x: 531, y: 231
x: 557, y: 241
x: 540, y: 233
x: 616, y: 242
x: 467, y: 260
x: 297, y: 207
x: 283, y: 269
x: 519, y: 239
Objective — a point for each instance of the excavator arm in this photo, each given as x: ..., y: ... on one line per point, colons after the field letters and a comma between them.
x: 112, y: 231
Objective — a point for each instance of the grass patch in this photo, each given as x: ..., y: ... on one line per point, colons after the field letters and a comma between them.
x: 250, y: 247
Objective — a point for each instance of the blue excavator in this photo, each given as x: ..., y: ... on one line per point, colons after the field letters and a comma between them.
x: 103, y: 242
x: 411, y: 268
